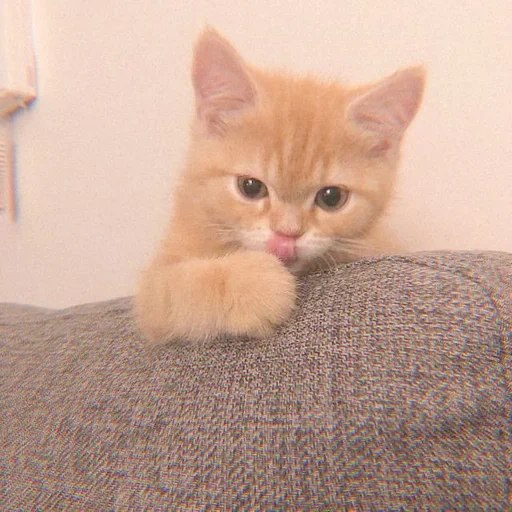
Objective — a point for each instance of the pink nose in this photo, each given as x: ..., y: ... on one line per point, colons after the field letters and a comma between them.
x: 283, y: 246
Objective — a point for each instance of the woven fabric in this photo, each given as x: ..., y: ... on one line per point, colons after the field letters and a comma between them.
x: 387, y: 389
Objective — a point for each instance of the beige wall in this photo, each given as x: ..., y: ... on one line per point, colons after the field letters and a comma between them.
x: 98, y: 151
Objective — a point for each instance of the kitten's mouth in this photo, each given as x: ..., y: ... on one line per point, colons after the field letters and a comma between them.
x: 284, y: 247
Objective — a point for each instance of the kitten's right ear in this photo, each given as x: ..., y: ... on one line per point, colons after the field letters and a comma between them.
x: 221, y: 83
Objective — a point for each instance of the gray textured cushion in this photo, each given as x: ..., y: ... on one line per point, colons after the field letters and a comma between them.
x: 387, y: 389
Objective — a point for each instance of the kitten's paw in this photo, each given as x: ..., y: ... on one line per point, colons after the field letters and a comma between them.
x: 260, y: 293
x: 246, y: 293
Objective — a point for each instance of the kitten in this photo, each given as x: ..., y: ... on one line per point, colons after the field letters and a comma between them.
x: 283, y: 175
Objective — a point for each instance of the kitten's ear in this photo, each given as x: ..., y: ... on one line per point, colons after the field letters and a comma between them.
x: 386, y: 109
x: 221, y: 83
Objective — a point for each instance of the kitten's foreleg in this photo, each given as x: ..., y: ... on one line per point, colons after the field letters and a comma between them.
x: 244, y: 293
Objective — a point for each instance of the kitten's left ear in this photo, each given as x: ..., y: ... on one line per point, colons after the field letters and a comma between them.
x: 385, y: 111
x: 221, y: 81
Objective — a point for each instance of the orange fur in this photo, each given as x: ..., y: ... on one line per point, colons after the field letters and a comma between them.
x: 212, y: 274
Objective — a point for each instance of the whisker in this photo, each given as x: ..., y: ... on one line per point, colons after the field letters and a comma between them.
x: 350, y: 247
x: 351, y: 242
x: 219, y: 227
x: 225, y: 233
x: 329, y: 260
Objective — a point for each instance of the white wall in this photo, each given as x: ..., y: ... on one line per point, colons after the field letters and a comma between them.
x: 98, y: 151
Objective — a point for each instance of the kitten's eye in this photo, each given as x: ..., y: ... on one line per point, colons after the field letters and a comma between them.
x: 251, y: 187
x: 331, y: 198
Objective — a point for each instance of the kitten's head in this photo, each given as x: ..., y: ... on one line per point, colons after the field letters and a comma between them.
x: 294, y: 166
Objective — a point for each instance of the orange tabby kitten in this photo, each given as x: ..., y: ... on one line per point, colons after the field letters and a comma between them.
x: 284, y: 174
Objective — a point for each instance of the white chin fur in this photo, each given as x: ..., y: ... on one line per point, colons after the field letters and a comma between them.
x: 309, y: 247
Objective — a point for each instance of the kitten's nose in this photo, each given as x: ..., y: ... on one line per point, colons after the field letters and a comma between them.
x: 283, y: 246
